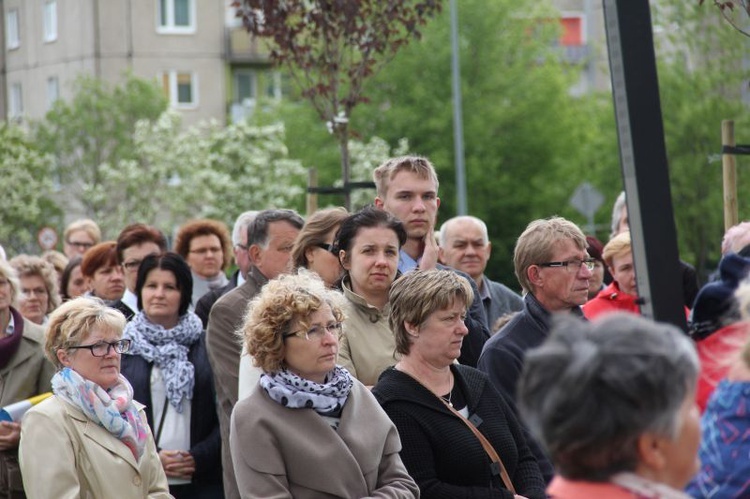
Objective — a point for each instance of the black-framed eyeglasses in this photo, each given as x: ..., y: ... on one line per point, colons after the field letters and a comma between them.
x: 102, y: 348
x: 316, y: 333
x: 573, y: 265
x: 328, y: 247
x: 81, y: 245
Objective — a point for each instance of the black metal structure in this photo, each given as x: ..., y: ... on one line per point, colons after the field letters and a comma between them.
x: 643, y: 157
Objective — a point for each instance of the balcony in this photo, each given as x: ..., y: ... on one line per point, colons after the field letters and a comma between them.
x: 242, y: 48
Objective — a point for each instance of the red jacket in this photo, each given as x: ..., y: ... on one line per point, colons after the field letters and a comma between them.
x: 717, y: 353
x: 611, y: 299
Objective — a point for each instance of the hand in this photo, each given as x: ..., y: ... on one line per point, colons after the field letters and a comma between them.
x: 430, y: 253
x: 10, y: 435
x: 177, y: 463
x: 519, y: 497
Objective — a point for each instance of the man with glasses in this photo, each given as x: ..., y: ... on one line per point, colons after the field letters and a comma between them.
x: 135, y: 242
x: 553, y: 268
x: 241, y: 258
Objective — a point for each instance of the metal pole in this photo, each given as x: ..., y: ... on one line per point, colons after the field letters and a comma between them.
x: 458, y: 124
x: 729, y: 174
x: 643, y: 157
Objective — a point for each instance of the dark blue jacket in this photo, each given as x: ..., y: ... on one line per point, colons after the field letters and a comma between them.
x: 205, y: 440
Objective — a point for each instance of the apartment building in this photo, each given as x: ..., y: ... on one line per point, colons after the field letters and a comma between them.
x: 206, y: 63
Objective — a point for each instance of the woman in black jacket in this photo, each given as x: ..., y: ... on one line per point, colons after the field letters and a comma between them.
x: 170, y: 373
x: 425, y: 392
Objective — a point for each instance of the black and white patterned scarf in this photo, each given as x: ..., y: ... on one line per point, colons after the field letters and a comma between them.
x: 290, y: 390
x: 168, y: 350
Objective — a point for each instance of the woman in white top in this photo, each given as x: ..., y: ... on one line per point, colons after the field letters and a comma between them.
x: 170, y: 373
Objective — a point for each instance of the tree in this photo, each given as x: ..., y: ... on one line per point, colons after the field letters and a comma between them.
x: 732, y: 12
x: 205, y: 171
x: 26, y: 190
x: 332, y: 47
x: 701, y: 82
x: 95, y: 129
x: 526, y: 138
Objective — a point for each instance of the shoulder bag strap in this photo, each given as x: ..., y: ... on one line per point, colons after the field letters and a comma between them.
x: 161, y: 422
x: 497, y: 463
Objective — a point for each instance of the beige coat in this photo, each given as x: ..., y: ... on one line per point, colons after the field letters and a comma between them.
x: 63, y: 454
x: 293, y: 453
x: 28, y: 373
x: 367, y: 346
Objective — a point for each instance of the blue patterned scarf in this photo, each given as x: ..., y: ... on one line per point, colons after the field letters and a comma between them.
x: 168, y: 350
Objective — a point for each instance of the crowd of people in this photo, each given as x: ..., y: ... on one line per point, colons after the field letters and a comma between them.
x: 368, y: 354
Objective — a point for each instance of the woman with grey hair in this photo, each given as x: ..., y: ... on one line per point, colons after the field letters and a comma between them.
x: 614, y: 403
x: 460, y: 438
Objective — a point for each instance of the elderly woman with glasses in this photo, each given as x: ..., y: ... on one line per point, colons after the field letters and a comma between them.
x: 613, y: 401
x: 95, y: 432
x: 39, y: 290
x: 170, y: 373
x: 309, y: 429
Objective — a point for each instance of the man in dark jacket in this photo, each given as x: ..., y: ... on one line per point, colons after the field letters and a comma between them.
x: 553, y: 269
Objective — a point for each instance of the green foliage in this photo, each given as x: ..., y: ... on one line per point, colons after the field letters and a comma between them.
x: 701, y: 77
x: 523, y: 132
x: 26, y: 191
x: 95, y: 129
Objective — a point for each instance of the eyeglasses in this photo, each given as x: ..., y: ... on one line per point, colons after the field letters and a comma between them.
x: 101, y: 349
x: 203, y: 251
x: 132, y: 265
x: 242, y: 246
x: 79, y: 244
x: 34, y: 291
x: 325, y: 246
x: 316, y: 333
x: 573, y: 265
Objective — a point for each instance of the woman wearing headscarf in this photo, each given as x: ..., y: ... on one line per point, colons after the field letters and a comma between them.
x: 170, y: 373
x: 309, y: 430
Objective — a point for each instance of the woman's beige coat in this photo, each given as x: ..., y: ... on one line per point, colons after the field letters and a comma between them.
x: 28, y: 372
x: 63, y: 454
x: 280, y: 452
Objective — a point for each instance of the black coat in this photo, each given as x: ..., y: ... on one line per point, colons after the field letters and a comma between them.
x: 206, y: 302
x: 205, y: 440
x: 442, y: 454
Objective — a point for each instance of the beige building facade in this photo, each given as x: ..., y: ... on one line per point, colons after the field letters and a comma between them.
x: 185, y: 45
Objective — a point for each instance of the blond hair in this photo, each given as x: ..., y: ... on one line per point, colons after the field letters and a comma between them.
x: 27, y: 265
x: 416, y: 295
x: 271, y: 313
x: 86, y: 225
x: 383, y: 174
x: 618, y: 246
x: 74, y: 320
x: 537, y: 244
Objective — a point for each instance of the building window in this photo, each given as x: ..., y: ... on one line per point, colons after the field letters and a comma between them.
x: 176, y: 16
x: 15, y: 110
x: 50, y: 20
x: 13, y: 38
x: 181, y: 88
x: 244, y: 86
x: 53, y: 91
